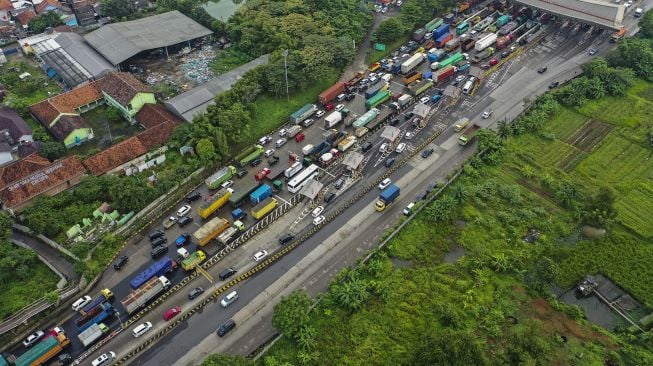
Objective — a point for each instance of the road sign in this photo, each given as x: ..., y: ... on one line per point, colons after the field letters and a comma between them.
x: 379, y: 47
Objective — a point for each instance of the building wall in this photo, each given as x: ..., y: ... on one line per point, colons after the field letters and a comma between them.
x: 50, y: 192
x: 136, y: 104
x: 5, y: 157
x: 78, y: 137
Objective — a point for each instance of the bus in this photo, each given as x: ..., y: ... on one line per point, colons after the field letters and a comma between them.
x: 462, y: 28
x: 302, y: 178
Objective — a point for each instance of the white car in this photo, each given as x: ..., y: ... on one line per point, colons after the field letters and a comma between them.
x: 425, y: 100
x: 408, y: 136
x: 283, y: 132
x: 383, y: 148
x: 104, y: 359
x: 229, y: 299
x: 33, y: 338
x: 269, y: 152
x: 183, y: 210
x: 385, y: 183
x: 384, y: 9
x: 319, y: 113
x: 460, y: 78
x: 400, y: 148
x: 318, y: 220
x: 340, y: 107
x: 317, y: 211
x: 487, y: 113
x: 265, y: 139
x: 183, y: 252
x: 227, y: 184
x: 81, y: 302
x: 399, y: 2
x: 141, y: 329
x: 260, y: 255
x: 281, y: 142
x: 373, y: 79
x: 372, y: 75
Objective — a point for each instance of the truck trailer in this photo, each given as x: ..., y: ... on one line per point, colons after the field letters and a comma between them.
x: 412, y: 62
x: 377, y: 87
x: 139, y: 297
x: 159, y: 268
x: 263, y: 192
x: 387, y: 197
x: 433, y: 24
x: 42, y: 352
x: 366, y: 118
x: 193, y: 260
x: 419, y: 87
x: 210, y: 230
x: 250, y: 154
x: 107, y: 311
x: 239, y: 195
x: 214, y: 203
x: 440, y: 30
x: 304, y: 112
x: 92, y: 334
x: 485, y: 42
x: 295, y: 168
x: 105, y: 295
x: 332, y: 119
x: 264, y: 208
x: 219, y: 177
x: 333, y: 91
x: 379, y: 98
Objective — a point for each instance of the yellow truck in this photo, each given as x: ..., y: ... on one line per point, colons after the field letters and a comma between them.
x: 214, y: 203
x: 264, y: 208
x: 193, y: 260
x: 210, y: 230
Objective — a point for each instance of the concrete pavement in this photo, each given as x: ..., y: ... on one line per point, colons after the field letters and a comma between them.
x: 56, y: 259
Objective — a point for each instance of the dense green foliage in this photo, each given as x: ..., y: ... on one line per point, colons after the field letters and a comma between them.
x: 41, y: 22
x: 413, y: 14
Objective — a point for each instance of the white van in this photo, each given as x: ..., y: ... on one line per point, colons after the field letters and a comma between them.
x: 409, y: 208
x: 141, y: 329
x: 229, y: 299
x: 469, y: 85
x: 387, y: 77
x: 341, y: 97
x: 104, y: 359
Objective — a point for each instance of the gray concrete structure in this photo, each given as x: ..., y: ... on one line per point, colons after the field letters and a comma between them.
x: 601, y: 13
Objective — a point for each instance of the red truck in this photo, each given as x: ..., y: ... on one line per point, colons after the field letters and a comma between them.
x: 444, y: 73
x: 503, y: 42
x: 333, y: 91
x: 444, y: 40
x: 468, y: 44
x: 262, y: 174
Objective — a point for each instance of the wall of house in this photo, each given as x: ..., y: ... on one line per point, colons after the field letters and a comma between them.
x: 5, y: 157
x: 136, y: 104
x: 50, y: 192
x: 78, y: 137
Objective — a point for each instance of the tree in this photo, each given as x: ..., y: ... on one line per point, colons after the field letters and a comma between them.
x: 599, y: 208
x: 450, y: 347
x: 113, y: 114
x: 118, y: 9
x: 388, y: 30
x: 205, y: 150
x: 351, y: 294
x: 441, y: 210
x: 306, y: 338
x: 567, y: 193
x: 543, y: 274
x: 291, y: 313
x: 41, y: 22
x: 52, y: 150
x: 646, y: 24
x: 219, y: 359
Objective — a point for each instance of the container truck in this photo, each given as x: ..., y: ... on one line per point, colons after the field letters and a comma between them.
x: 387, y: 197
x: 503, y: 42
x: 139, y: 297
x: 436, y: 54
x: 92, y: 334
x: 237, y: 198
x: 412, y: 62
x: 373, y: 89
x: 451, y: 45
x: 263, y: 192
x: 219, y: 177
x: 304, y: 112
x: 42, y: 352
x: 294, y: 130
x: 503, y: 20
x: 332, y: 92
x: 227, y: 235
x: 441, y: 30
x: 254, y: 153
x: 105, y: 295
x: 480, y: 56
x: 485, y: 42
x: 404, y: 99
x: 443, y: 39
x: 193, y: 260
x: 509, y: 27
x: 107, y: 310
x: 468, y: 135
x: 419, y: 87
x: 360, y: 75
x: 616, y: 36
x: 346, y: 143
x: 214, y: 203
x: 433, y: 24
x: 210, y: 230
x: 444, y: 73
x: 295, y: 168
x: 468, y: 44
x: 418, y: 35
x: 159, y: 268
x: 264, y: 208
x: 366, y: 118
x: 332, y: 119
x: 413, y: 76
x: 379, y: 98
x: 451, y: 60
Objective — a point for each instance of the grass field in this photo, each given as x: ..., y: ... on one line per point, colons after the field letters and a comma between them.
x: 632, y: 209
x: 18, y: 294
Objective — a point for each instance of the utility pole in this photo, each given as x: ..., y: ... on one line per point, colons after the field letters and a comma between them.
x: 285, y: 65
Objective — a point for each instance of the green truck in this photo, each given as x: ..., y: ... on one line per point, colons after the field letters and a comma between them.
x: 419, y: 87
x: 250, y: 154
x: 219, y: 177
x: 240, y: 194
x: 454, y: 59
x: 377, y: 99
x: 430, y: 26
x: 468, y: 135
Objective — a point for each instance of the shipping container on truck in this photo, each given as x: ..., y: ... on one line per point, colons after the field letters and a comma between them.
x: 413, y: 76
x: 503, y: 20
x: 239, y: 195
x: 346, y: 143
x: 295, y: 168
x: 404, y: 99
x: 158, y: 268
x: 503, y: 42
x: 210, y: 230
x: 261, y: 193
x: 412, y: 62
x: 303, y: 113
x: 193, y: 260
x: 462, y: 28
x: 387, y: 197
x: 264, y: 208
x: 213, y: 203
x: 139, y: 297
x: 440, y: 30
x: 419, y: 87
x: 451, y: 45
x: 92, y: 334
x: 468, y: 44
x: 433, y: 24
x: 43, y: 351
x: 485, y: 42
x: 105, y: 295
x: 332, y: 92
x: 382, y: 85
x: 219, y: 177
x: 227, y: 236
x: 468, y: 135
x: 366, y: 118
x: 443, y: 39
x: 454, y: 59
x: 333, y: 119
x: 256, y: 152
x: 379, y: 98
x: 294, y: 130
x: 444, y: 73
x: 360, y: 75
x: 418, y: 35
x: 107, y: 311
x: 509, y: 27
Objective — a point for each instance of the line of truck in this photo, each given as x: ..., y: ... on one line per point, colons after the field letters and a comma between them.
x: 51, y: 345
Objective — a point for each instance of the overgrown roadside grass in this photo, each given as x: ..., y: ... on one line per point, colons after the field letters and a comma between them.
x: 19, y: 293
x: 229, y: 59
x: 374, y: 56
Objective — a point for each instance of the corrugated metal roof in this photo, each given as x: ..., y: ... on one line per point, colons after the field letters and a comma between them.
x: 601, y: 13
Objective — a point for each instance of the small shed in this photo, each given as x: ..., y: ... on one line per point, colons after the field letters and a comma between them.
x: 391, y: 133
x: 353, y: 160
x: 312, y: 189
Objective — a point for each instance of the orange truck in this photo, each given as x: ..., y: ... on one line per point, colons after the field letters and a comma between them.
x: 463, y: 7
x: 616, y: 36
x: 210, y: 230
x: 413, y: 76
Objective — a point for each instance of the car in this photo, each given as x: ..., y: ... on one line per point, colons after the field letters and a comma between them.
x: 384, y: 9
x: 424, y: 100
x: 141, y: 329
x: 488, y: 113
x: 436, y: 98
x: 328, y: 107
x: 158, y: 241
x: 373, y: 79
x: 385, y: 183
x: 260, y: 255
x: 554, y: 84
x: 182, y: 240
x: 320, y: 113
x: 241, y: 173
x: 195, y: 293
x: 169, y: 222
x: 340, y: 107
x: 225, y: 328
x: 409, y: 136
x: 592, y: 51
x: 227, y: 273
x: 264, y: 140
x: 409, y: 209
x: 318, y: 220
x: 121, y: 262
x: 171, y: 313
x: 104, y: 359
x: 308, y: 122
x: 421, y: 196
x: 193, y: 197
x: 273, y: 160
x: 155, y: 234
x: 283, y: 132
x: 183, y: 210
x: 229, y: 299
x: 255, y: 162
x: 184, y: 220
x: 388, y: 162
x: 493, y: 61
x: 367, y: 146
x: 350, y: 97
x: 158, y: 251
x: 505, y: 54
x: 339, y: 183
x: 542, y: 69
x: 227, y: 184
x: 473, y: 33
x: 329, y: 197
x: 81, y: 302
x: 34, y: 337
x: 400, y: 148
x: 317, y: 211
x: 286, y: 239
x: 409, y: 115
x: 384, y: 147
x: 394, y: 122
x: 281, y: 142
x: 426, y: 153
x: 460, y: 78
x: 183, y: 253
x: 269, y: 152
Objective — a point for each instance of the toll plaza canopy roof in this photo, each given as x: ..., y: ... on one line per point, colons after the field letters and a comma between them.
x: 118, y: 42
x: 597, y: 12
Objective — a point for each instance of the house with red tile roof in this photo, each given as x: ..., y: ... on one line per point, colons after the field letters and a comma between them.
x: 5, y: 10
x: 48, y: 5
x: 123, y: 91
x: 24, y: 17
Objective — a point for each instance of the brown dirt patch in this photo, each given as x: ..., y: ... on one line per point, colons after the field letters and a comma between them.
x: 589, y: 135
x: 535, y: 189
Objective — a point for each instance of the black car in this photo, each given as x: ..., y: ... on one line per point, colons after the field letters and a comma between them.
x: 193, y: 197
x: 226, y: 327
x: 155, y: 234
x: 388, y: 162
x: 121, y: 262
x: 195, y: 293
x: 339, y: 183
x: 286, y: 239
x: 158, y: 241
x: 554, y: 84
x: 367, y: 146
x: 426, y: 153
x: 329, y: 197
x: 349, y: 97
x: 542, y: 69
x: 420, y: 196
x: 185, y: 220
x: 227, y: 273
x: 394, y: 122
x: 408, y: 116
x: 158, y: 251
x: 241, y: 173
x: 273, y: 160
x: 255, y: 162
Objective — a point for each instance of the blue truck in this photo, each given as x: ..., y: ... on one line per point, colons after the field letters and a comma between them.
x: 238, y: 214
x: 387, y: 197
x: 105, y: 295
x: 107, y: 310
x: 439, y: 31
x: 182, y: 240
x: 260, y: 194
x: 159, y: 268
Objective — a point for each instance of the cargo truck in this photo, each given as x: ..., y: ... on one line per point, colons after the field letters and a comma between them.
x: 92, y: 334
x: 139, y: 297
x: 463, y: 7
x: 227, y: 235
x: 443, y: 39
x: 436, y: 54
x: 107, y: 310
x: 462, y: 28
x: 404, y: 100
x: 468, y: 44
x: 304, y: 112
x: 360, y: 132
x: 413, y: 76
x: 460, y: 124
x: 387, y: 197
x: 440, y: 30
x: 451, y: 45
x: 294, y: 130
x: 214, y: 203
x: 419, y: 87
x: 210, y: 230
x: 159, y: 268
x: 396, y: 67
x: 480, y: 56
x: 453, y: 60
x: 503, y: 20
x: 263, y: 192
x: 379, y: 98
x: 503, y: 42
x: 509, y: 27
x: 332, y: 119
x: 616, y: 36
x: 468, y: 135
x: 264, y: 208
x: 105, y: 295
x: 346, y: 143
x: 360, y: 75
x: 484, y: 24
x: 433, y: 24
x: 295, y: 168
x: 485, y: 42
x: 275, y: 173
x: 444, y: 73
x: 366, y: 118
x: 193, y: 260
x: 42, y: 352
x: 373, y: 89
x: 254, y: 152
x: 412, y: 62
x: 239, y: 195
x: 219, y: 177
x: 332, y: 92
x: 418, y: 35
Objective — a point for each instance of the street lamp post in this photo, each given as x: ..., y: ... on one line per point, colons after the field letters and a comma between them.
x: 285, y: 66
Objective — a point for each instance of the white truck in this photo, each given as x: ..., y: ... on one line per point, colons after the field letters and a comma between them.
x: 225, y: 237
x: 332, y: 119
x: 485, y: 42
x: 412, y: 62
x: 92, y: 334
x: 346, y: 143
x: 139, y: 297
x: 294, y: 169
x: 404, y: 99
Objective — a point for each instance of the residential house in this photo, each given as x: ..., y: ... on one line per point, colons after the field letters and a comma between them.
x: 23, y: 16
x: 5, y: 10
x: 123, y: 91
x: 84, y: 11
x: 5, y: 153
x: 48, y: 5
x: 25, y: 179
x: 13, y: 129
